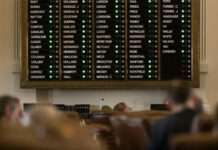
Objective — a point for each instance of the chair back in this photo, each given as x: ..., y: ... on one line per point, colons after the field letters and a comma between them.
x: 130, y: 133
x: 194, y: 142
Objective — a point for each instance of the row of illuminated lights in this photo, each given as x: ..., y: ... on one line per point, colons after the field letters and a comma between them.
x: 183, y: 31
x: 117, y: 1
x: 50, y: 41
x: 83, y: 46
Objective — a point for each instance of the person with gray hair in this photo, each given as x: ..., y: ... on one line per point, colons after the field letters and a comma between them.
x: 122, y: 107
x: 10, y: 109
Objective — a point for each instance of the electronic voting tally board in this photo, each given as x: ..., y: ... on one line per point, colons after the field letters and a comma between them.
x: 109, y: 43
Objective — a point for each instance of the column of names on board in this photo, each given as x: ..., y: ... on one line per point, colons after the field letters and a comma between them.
x: 77, y: 39
x: 43, y: 39
x: 143, y: 40
x: 176, y: 39
x: 110, y: 39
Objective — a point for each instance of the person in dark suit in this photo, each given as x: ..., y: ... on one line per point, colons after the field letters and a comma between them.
x: 180, y: 121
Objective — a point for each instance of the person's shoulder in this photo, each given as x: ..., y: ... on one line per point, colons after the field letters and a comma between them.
x: 164, y: 121
x: 185, y: 112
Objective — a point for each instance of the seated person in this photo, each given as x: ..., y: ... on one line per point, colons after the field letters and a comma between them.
x: 106, y: 108
x: 122, y: 107
x: 180, y: 121
x: 10, y: 109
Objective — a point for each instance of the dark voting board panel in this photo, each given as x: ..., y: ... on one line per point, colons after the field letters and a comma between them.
x: 109, y: 43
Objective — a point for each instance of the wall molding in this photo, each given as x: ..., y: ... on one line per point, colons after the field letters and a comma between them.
x: 16, y: 50
x: 203, y: 44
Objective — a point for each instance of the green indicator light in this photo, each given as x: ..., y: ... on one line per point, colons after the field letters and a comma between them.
x: 84, y: 61
x: 149, y: 1
x: 183, y: 41
x: 84, y: 46
x: 149, y: 11
x: 117, y: 31
x: 116, y: 46
x: 50, y: 67
x: 84, y: 52
x: 84, y: 11
x: 116, y: 16
x: 116, y: 61
x: 116, y: 26
x: 149, y: 21
x: 149, y: 76
x: 117, y: 51
x: 50, y: 56
x: 117, y: 1
x: 50, y: 6
x: 50, y: 31
x: 83, y: 26
x: 149, y: 61
x: 116, y: 71
x: 183, y: 11
x: 183, y: 36
x: 50, y: 36
x: 50, y: 41
x: 50, y: 71
x: 83, y: 1
x: 50, y: 16
x: 183, y: 16
x: 84, y: 41
x: 183, y: 21
x: 84, y: 77
x: 149, y: 66
x: 83, y: 21
x: 149, y: 71
x: 50, y: 21
x: 50, y: 77
x: 149, y: 41
x: 84, y: 31
x: 117, y: 6
x: 183, y: 1
x: 50, y: 11
x: 84, y: 71
x: 84, y: 36
x: 183, y: 51
x: 183, y: 31
x: 116, y: 11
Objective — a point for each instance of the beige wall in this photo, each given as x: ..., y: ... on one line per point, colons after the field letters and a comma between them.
x: 139, y: 99
x: 212, y: 52
x: 9, y: 83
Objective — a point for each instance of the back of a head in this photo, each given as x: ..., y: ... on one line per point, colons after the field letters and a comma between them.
x: 179, y: 93
x: 45, y: 114
x: 120, y: 107
x: 8, y: 102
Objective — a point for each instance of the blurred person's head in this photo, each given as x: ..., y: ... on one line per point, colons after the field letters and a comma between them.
x: 198, y: 104
x: 45, y: 116
x: 180, y: 96
x: 10, y: 109
x: 122, y: 107
x: 49, y: 122
x: 106, y: 108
